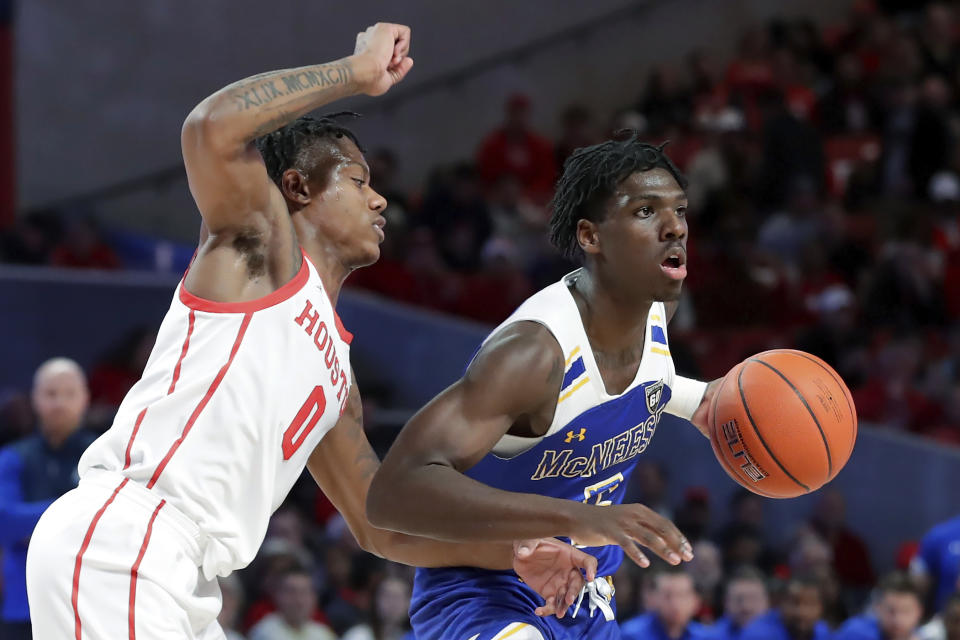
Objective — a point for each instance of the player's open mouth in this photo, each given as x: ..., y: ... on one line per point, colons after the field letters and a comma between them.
x: 675, y: 265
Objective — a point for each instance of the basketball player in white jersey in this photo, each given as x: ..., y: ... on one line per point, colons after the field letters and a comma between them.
x: 250, y: 378
x: 541, y: 434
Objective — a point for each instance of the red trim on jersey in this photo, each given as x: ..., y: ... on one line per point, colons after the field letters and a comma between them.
x: 283, y: 293
x: 183, y: 352
x: 75, y: 595
x: 203, y: 402
x: 345, y: 335
x: 136, y: 568
x: 136, y: 427
x: 173, y: 385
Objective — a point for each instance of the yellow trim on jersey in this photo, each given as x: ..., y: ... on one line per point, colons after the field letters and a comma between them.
x: 522, y: 625
x: 569, y: 393
x: 662, y: 352
x: 573, y: 354
x: 656, y: 318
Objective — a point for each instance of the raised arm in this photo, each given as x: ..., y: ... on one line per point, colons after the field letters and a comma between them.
x: 420, y: 489
x: 227, y: 176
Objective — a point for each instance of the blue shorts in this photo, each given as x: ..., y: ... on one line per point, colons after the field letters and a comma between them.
x: 474, y: 604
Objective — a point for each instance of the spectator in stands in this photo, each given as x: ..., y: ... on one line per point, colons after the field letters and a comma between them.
x: 951, y: 616
x: 674, y: 603
x: 745, y: 599
x: 851, y: 558
x: 112, y: 377
x: 786, y: 233
x: 649, y: 485
x: 938, y: 40
x: 741, y: 539
x: 791, y: 150
x: 706, y: 569
x: 35, y: 471
x: 516, y: 149
x: 933, y: 140
x: 693, y: 514
x: 576, y: 130
x: 16, y: 416
x: 83, y: 247
x: 945, y: 625
x: 937, y: 565
x: 455, y: 210
x: 895, y: 615
x: 296, y: 600
x: 384, y: 167
x: 666, y: 102
x: 30, y: 238
x: 388, y: 618
x: 500, y: 287
x: 798, y: 616
x: 231, y: 591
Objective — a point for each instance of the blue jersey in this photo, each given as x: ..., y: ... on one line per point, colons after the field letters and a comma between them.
x: 587, y: 455
x: 939, y: 557
x: 649, y: 627
x: 32, y: 476
x: 859, y: 628
x: 770, y: 626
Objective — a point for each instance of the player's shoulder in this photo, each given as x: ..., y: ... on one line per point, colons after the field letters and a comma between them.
x: 523, y: 348
x: 944, y: 532
x: 700, y: 631
x: 765, y: 627
x: 638, y: 627
x: 858, y: 628
x: 20, y: 449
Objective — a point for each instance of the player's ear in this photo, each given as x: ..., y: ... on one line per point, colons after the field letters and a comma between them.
x: 588, y: 237
x: 295, y: 187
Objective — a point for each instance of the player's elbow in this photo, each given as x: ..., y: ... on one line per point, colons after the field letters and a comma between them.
x: 378, y: 502
x: 371, y: 540
x: 208, y: 129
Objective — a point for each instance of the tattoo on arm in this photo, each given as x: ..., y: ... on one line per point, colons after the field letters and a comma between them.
x: 261, y: 90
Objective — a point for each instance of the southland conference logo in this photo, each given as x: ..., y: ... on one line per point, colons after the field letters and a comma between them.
x: 654, y: 393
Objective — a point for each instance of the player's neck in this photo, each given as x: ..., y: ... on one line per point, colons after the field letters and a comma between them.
x: 332, y: 272
x: 612, y: 319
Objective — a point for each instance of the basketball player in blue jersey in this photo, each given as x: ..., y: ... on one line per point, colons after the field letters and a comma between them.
x: 541, y: 434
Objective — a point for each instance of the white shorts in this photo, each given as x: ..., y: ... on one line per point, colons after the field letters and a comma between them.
x: 110, y: 560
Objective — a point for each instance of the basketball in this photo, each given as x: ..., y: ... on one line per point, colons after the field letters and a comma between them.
x: 782, y: 423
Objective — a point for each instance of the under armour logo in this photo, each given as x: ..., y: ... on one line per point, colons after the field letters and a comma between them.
x: 579, y: 436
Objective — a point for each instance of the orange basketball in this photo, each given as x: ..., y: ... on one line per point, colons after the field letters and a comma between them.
x: 783, y: 423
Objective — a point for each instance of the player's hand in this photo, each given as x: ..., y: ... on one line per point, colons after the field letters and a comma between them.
x: 628, y: 525
x: 384, y: 46
x: 555, y: 570
x: 701, y: 417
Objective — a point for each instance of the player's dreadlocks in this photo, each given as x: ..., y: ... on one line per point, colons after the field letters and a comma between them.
x: 294, y: 146
x: 591, y: 175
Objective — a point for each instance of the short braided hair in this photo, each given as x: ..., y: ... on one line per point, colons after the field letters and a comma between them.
x: 591, y: 175
x: 293, y: 146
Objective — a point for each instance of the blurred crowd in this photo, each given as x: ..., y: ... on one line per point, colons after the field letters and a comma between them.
x: 824, y: 171
x: 311, y: 580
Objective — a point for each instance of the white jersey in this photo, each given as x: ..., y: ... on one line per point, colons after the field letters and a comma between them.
x: 233, y: 400
x: 582, y: 388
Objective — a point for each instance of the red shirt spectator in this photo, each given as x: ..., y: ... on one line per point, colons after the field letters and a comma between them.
x: 515, y: 149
